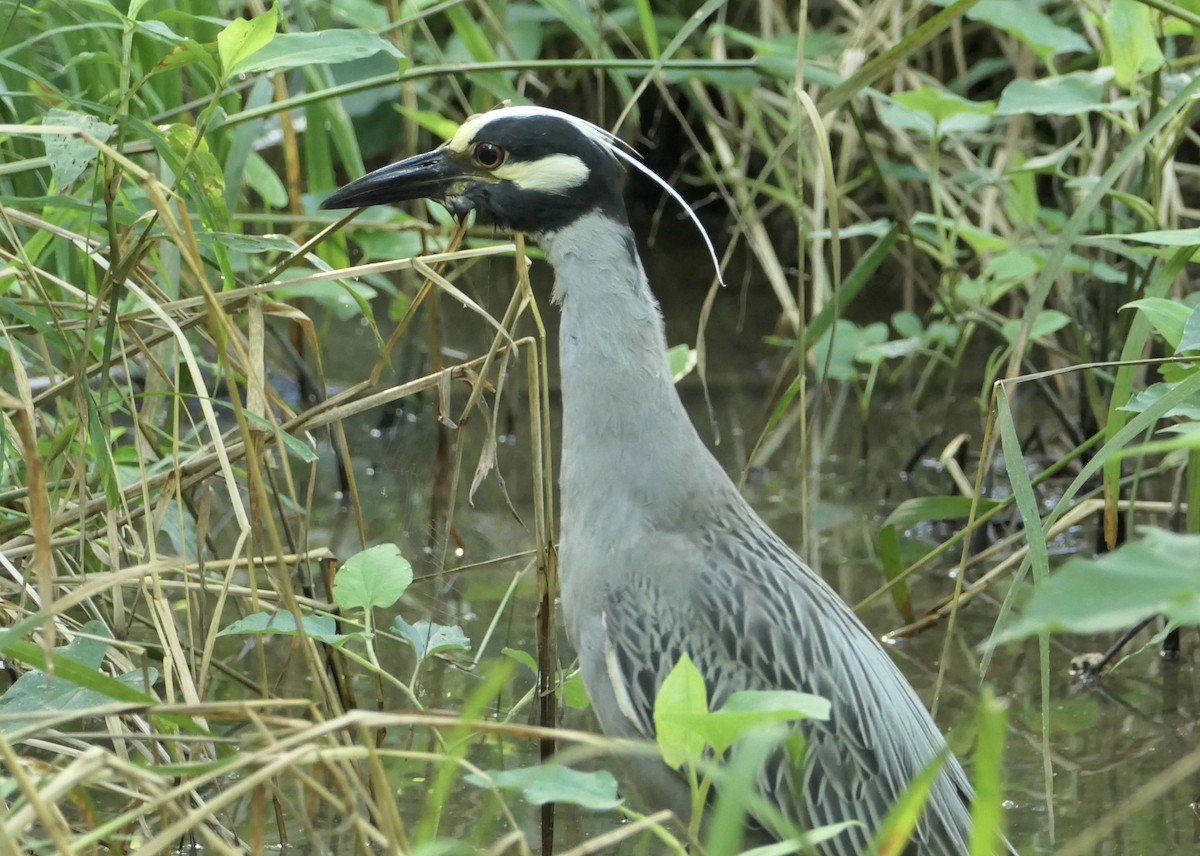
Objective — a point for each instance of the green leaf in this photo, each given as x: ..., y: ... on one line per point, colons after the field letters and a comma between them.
x: 980, y: 240
x: 849, y: 340
x: 574, y: 692
x: 1065, y: 95
x: 1154, y: 575
x: 1190, y: 340
x: 681, y: 359
x: 892, y: 561
x: 1027, y: 22
x: 1168, y: 317
x: 297, y: 50
x: 1129, y: 34
x: 68, y: 154
x: 748, y: 710
x: 596, y: 790
x: 907, y: 324
x: 77, y: 685
x: 1048, y: 321
x: 1150, y: 396
x: 322, y: 628
x: 242, y: 39
x: 387, y: 244
x: 376, y: 577
x: 988, y: 775
x: 942, y: 105
x: 928, y: 508
x: 681, y: 697
x: 522, y: 657
x: 294, y: 445
x: 265, y: 181
x: 427, y: 638
x: 933, y: 111
x: 1160, y: 237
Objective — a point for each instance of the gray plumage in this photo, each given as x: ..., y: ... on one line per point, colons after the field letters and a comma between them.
x: 660, y: 555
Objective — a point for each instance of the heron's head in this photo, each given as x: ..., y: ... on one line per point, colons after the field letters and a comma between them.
x: 529, y: 169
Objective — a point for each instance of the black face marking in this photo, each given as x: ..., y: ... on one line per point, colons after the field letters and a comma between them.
x: 528, y: 139
x: 478, y: 175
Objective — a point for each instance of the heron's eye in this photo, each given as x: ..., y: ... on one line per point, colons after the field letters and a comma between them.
x: 488, y: 155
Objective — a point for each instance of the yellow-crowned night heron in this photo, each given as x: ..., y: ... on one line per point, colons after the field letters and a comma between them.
x: 660, y: 554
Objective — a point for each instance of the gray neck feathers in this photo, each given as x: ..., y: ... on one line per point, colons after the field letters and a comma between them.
x: 631, y: 457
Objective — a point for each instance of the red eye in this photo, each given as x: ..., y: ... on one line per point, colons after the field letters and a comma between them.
x: 488, y: 155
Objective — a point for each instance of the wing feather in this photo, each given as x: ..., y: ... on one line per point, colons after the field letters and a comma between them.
x: 763, y: 620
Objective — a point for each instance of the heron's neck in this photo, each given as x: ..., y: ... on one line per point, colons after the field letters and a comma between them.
x: 628, y: 445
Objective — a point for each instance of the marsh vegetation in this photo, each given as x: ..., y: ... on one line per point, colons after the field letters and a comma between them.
x: 277, y: 507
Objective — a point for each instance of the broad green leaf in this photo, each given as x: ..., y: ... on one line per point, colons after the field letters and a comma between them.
x: 927, y: 508
x: 188, y: 52
x: 1150, y: 396
x: 297, y: 50
x: 681, y: 359
x: 547, y: 783
x: 427, y: 638
x: 82, y: 675
x: 980, y: 240
x: 574, y: 692
x: 942, y: 105
x: 36, y: 694
x: 77, y: 684
x: 522, y: 657
x: 1190, y: 340
x: 206, y: 174
x: 849, y: 339
x: 893, y: 349
x: 1129, y: 34
x: 1015, y: 264
x: 1065, y: 95
x: 242, y: 39
x: 70, y: 155
x: 737, y: 716
x: 907, y: 324
x: 265, y: 181
x: 720, y: 729
x: 682, y: 696
x: 1153, y: 575
x: 1048, y: 321
x: 1027, y: 22
x: 376, y: 577
x: 388, y: 244
x: 322, y: 628
x: 931, y: 111
x: 1168, y: 317
x: 1051, y: 162
x: 349, y: 299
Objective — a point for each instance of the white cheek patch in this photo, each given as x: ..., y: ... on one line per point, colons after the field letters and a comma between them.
x: 551, y: 174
